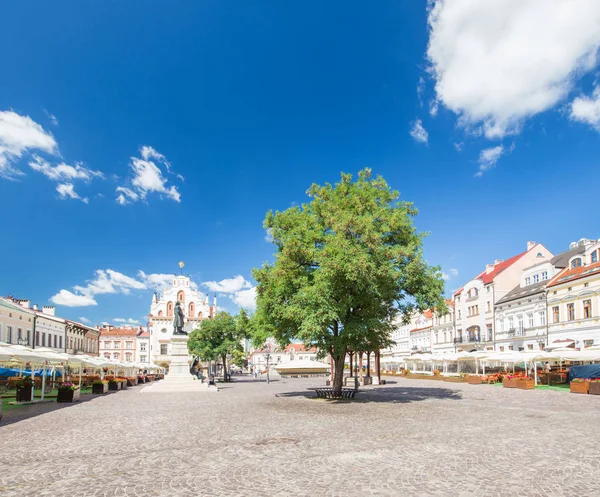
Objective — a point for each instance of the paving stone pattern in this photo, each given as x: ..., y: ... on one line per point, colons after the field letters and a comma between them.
x: 412, y: 437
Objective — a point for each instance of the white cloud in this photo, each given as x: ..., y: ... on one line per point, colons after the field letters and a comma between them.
x: 433, y: 108
x: 228, y: 285
x: 445, y: 276
x: 67, y: 190
x: 158, y: 280
x: 587, y: 109
x: 70, y: 299
x: 452, y: 273
x: 246, y: 298
x: 495, y: 63
x: 418, y: 132
x: 52, y: 117
x: 126, y: 195
x: 488, y: 159
x: 269, y: 235
x: 63, y: 172
x: 84, y: 320
x: 18, y: 135
x: 147, y: 178
x: 128, y: 320
x: 459, y: 146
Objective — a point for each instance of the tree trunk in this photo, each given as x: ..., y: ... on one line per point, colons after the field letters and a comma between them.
x: 378, y: 365
x: 224, y: 357
x: 368, y: 364
x: 338, y: 365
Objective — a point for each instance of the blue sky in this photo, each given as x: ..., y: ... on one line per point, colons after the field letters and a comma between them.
x: 137, y: 134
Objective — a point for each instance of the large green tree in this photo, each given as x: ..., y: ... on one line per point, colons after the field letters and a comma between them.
x: 217, y: 338
x: 348, y: 262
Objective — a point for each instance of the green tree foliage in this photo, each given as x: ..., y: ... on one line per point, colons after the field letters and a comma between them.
x: 347, y: 263
x: 217, y: 338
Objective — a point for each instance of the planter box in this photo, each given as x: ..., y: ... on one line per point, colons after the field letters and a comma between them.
x: 24, y: 394
x: 509, y: 382
x: 68, y: 395
x: 100, y: 388
x: 579, y: 386
x: 114, y: 387
x: 474, y: 380
x: 526, y: 384
x: 594, y: 388
x: 131, y: 382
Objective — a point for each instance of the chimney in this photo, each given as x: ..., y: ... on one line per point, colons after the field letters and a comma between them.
x: 48, y: 309
x: 572, y: 245
x: 24, y: 303
x: 530, y: 245
x: 35, y: 308
x: 489, y: 268
x: 498, y: 261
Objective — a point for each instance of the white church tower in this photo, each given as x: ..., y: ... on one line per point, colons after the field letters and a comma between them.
x: 195, y: 307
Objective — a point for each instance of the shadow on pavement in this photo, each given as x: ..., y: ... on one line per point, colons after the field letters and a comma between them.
x: 393, y: 395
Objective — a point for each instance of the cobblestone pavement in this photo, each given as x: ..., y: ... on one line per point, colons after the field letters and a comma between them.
x: 413, y: 437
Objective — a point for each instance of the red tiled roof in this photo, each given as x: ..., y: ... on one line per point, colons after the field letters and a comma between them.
x: 501, y: 266
x: 119, y: 332
x: 299, y: 347
x: 420, y: 329
x: 571, y: 274
x: 459, y: 291
x: 428, y: 314
x: 144, y: 334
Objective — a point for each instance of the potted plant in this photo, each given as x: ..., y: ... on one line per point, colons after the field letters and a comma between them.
x: 123, y: 382
x: 579, y: 385
x: 24, y: 387
x: 594, y: 387
x: 526, y: 383
x: 68, y: 392
x: 436, y: 372
x: 114, y: 385
x: 405, y: 372
x: 100, y: 386
x: 474, y: 379
x: 509, y: 381
x: 132, y: 381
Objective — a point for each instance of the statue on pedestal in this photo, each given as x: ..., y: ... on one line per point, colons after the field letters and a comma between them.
x: 178, y: 320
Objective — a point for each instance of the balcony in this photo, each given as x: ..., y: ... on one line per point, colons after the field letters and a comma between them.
x: 458, y: 340
x: 519, y: 332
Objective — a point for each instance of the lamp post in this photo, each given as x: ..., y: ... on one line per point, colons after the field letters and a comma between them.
x: 267, y: 358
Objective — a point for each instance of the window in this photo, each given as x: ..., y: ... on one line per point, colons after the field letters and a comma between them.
x: 511, y: 325
x: 107, y: 355
x: 520, y: 317
x: 594, y: 257
x: 542, y: 318
x: 587, y: 309
x: 588, y: 343
x: 163, y: 349
x: 489, y: 307
x: 128, y: 357
x: 536, y: 278
x: 43, y: 339
x: 9, y: 334
x: 29, y: 338
x: 37, y: 338
x: 576, y: 263
x: 501, y: 321
x: 529, y: 346
x: 555, y: 315
x: 116, y: 356
x: 142, y: 347
x: 128, y: 345
x: 489, y: 289
x: 570, y: 312
x: 459, y: 314
x: 107, y: 345
x: 60, y: 342
x: 142, y: 358
x: 19, y: 335
x: 117, y: 345
x: 544, y: 275
x: 501, y: 349
x: 164, y: 330
x: 530, y: 320
x: 489, y: 332
x: 55, y: 341
x: 160, y: 314
x: 510, y: 347
x: 528, y: 281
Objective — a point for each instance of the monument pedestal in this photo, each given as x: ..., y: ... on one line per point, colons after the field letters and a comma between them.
x: 179, y: 378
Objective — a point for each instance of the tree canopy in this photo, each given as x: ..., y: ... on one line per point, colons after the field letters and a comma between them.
x: 348, y: 262
x: 219, y: 337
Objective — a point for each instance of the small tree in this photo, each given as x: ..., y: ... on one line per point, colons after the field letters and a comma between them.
x: 217, y: 338
x: 347, y: 263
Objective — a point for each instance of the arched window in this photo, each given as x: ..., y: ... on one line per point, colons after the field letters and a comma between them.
x: 181, y: 296
x: 200, y: 314
x: 576, y: 263
x: 170, y: 309
x: 192, y: 310
x: 160, y: 313
x: 116, y: 355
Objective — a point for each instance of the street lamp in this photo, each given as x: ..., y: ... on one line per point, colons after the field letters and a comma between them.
x: 268, y: 357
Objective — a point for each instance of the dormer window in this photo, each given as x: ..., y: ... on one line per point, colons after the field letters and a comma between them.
x: 527, y: 281
x: 576, y: 263
x: 594, y: 256
x: 536, y: 278
x: 544, y: 275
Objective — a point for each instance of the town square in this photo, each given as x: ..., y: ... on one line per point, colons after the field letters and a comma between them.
x: 300, y: 248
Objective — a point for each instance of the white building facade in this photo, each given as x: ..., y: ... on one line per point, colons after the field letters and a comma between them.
x: 194, y: 305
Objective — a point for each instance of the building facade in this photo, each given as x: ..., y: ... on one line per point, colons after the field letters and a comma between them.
x: 475, y: 302
x: 573, y: 300
x: 420, y: 336
x: 119, y: 344
x: 81, y: 339
x: 195, y: 308
x: 16, y: 323
x: 442, y: 330
x: 143, y: 347
x: 50, y: 331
